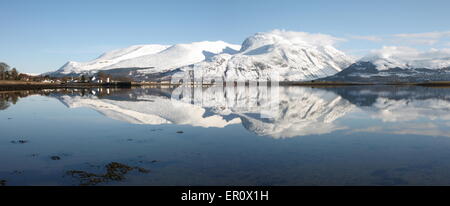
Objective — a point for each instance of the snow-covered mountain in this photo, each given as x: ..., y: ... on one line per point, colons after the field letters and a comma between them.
x: 151, y: 58
x: 398, y: 64
x: 275, y: 56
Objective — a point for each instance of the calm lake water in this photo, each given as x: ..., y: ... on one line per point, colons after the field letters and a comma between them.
x: 375, y: 135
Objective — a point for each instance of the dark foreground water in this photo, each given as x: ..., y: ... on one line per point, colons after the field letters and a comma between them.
x: 226, y: 136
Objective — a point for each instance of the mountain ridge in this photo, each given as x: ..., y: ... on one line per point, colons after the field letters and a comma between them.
x: 295, y: 56
x: 138, y: 56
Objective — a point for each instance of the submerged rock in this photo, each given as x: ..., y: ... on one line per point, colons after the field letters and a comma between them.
x: 2, y: 182
x: 55, y: 157
x: 17, y: 172
x: 114, y: 172
x: 21, y: 141
x: 180, y: 132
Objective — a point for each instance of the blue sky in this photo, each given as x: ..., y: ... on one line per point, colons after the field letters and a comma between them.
x: 39, y: 36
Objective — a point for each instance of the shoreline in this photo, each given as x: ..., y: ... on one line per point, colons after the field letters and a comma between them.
x: 17, y: 85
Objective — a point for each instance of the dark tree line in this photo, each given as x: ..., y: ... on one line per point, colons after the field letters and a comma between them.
x: 6, y: 73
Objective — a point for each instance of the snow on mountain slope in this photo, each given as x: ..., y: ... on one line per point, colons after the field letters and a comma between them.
x: 157, y: 58
x: 276, y: 56
x: 291, y: 56
x: 111, y: 58
x: 177, y: 56
x: 404, y: 57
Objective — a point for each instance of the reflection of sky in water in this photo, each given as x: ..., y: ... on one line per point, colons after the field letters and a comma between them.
x: 329, y: 136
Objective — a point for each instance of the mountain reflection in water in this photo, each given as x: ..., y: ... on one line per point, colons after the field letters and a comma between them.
x: 278, y: 112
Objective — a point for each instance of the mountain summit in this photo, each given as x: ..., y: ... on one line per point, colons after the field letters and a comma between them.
x: 276, y: 56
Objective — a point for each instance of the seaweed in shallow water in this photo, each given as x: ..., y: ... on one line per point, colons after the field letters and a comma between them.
x: 114, y: 172
x: 21, y: 141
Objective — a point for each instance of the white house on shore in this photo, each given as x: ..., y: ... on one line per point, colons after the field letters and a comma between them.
x: 99, y: 80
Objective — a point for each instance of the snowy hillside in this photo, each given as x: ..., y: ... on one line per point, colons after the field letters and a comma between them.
x: 154, y: 58
x: 110, y: 58
x: 276, y: 56
x: 178, y: 55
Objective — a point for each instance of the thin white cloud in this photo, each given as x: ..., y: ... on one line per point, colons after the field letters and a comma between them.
x: 410, y: 39
x: 427, y: 38
x: 422, y: 41
x: 394, y: 51
x: 426, y: 35
x: 368, y: 38
x: 410, y: 53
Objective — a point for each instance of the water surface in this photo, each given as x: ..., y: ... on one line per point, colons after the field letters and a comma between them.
x: 377, y: 135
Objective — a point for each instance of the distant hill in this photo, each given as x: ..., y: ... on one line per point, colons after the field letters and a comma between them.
x: 393, y: 64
